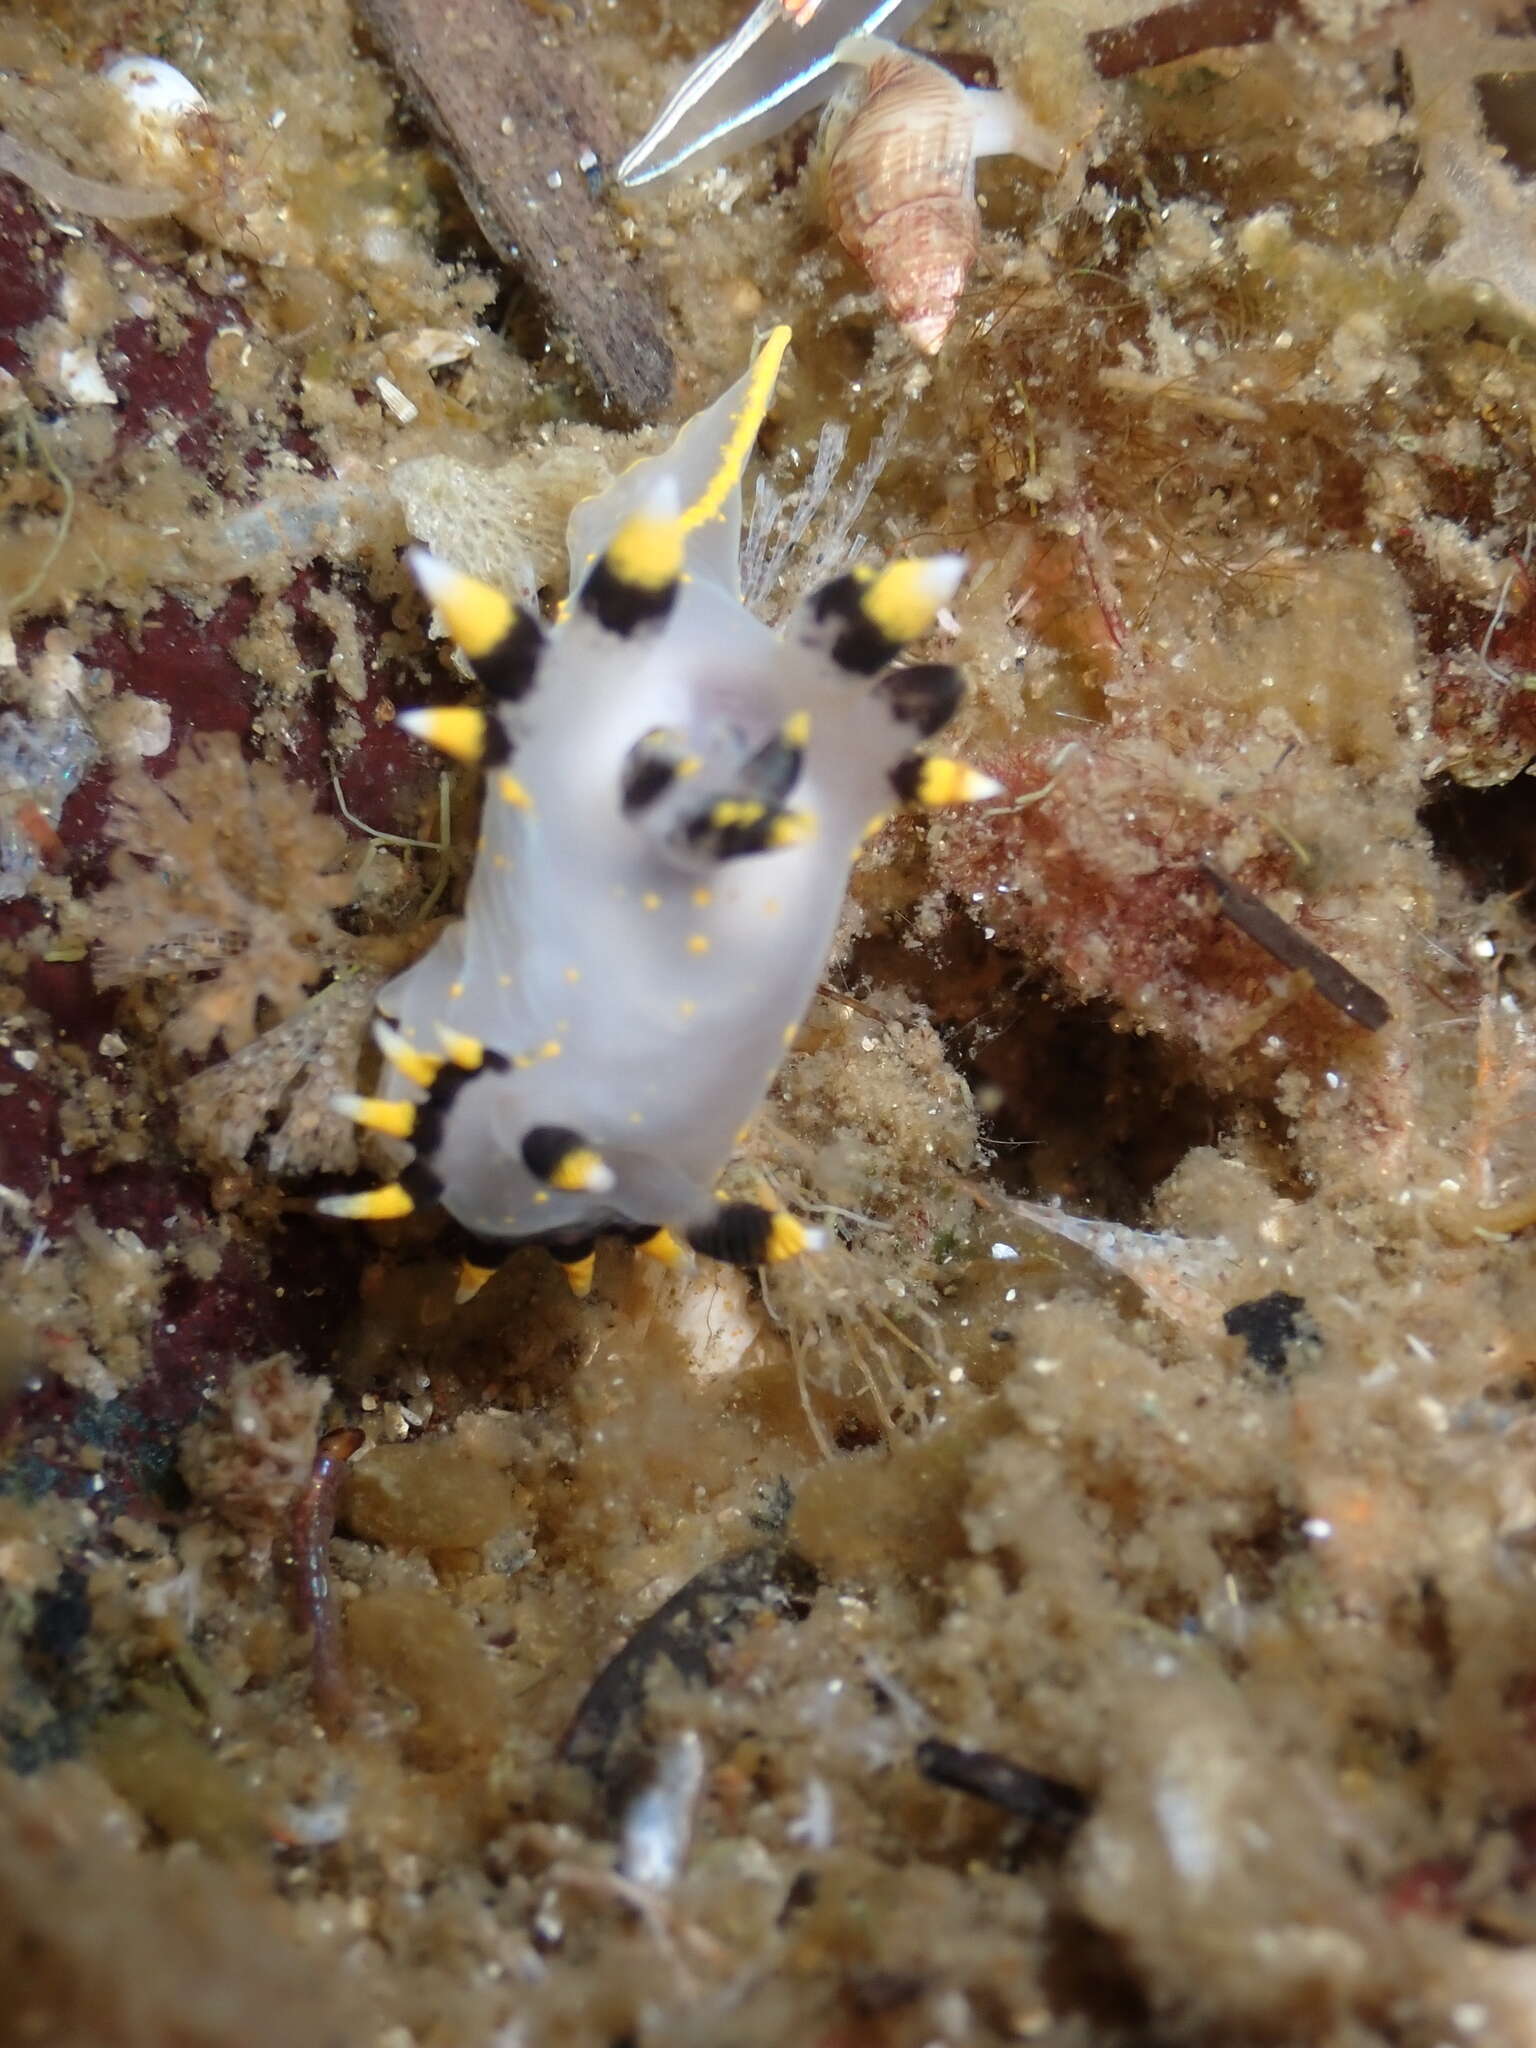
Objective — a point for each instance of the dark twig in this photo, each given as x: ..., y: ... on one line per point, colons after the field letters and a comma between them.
x: 1331, y: 978
x: 1184, y: 31
x: 1046, y: 1803
x: 517, y: 120
x: 314, y: 1519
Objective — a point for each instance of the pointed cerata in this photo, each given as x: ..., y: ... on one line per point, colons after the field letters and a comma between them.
x: 674, y: 799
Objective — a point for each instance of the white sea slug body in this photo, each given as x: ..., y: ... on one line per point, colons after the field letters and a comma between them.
x: 675, y: 797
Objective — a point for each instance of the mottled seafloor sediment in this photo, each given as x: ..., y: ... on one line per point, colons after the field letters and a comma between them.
x: 1162, y: 1417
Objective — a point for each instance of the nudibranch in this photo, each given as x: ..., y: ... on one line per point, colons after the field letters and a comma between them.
x: 675, y: 796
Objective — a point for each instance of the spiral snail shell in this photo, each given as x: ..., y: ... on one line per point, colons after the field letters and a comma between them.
x: 899, y: 148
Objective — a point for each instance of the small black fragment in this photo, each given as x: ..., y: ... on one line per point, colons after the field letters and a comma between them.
x: 1046, y: 1803
x: 1269, y: 1327
x: 61, y: 1622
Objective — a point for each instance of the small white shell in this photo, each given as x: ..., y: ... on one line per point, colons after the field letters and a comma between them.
x: 160, y: 100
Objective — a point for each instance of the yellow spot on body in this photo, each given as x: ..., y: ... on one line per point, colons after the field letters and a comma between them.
x: 635, y: 1117
x: 875, y: 827
x: 697, y: 943
x: 551, y: 1049
x: 735, y: 811
x: 686, y: 1008
x: 647, y: 552
x: 690, y: 764
x: 500, y: 862
x: 580, y: 1171
x: 573, y: 975
x: 743, y: 1134
x: 541, y: 1195
x: 793, y: 829
x: 457, y: 730
x: 797, y: 729
x: 503, y: 981
x: 512, y: 792
x: 650, y: 900
x: 702, y: 898
x: 579, y: 1275
x: 771, y: 906
x: 899, y: 601
x: 789, y: 1035
x: 455, y: 989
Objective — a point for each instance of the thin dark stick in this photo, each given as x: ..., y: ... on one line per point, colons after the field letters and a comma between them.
x: 1331, y: 978
x: 1044, y: 1802
x: 314, y: 1520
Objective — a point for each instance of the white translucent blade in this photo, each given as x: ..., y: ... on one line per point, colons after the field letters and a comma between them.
x: 776, y: 66
x: 695, y: 463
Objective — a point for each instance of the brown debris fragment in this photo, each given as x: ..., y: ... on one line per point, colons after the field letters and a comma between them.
x: 250, y: 1456
x: 1330, y: 977
x: 223, y: 868
x: 1169, y: 33
x: 517, y: 122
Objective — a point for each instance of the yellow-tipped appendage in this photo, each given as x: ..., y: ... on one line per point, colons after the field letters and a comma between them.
x: 662, y: 1245
x: 457, y: 730
x: 471, y: 1279
x: 902, y: 600
x: 788, y: 1237
x: 578, y: 1275
x: 460, y: 1049
x: 477, y: 615
x: 396, y: 1119
x: 378, y: 1205
x: 943, y: 781
x: 421, y: 1069
x: 647, y: 551
x: 582, y: 1171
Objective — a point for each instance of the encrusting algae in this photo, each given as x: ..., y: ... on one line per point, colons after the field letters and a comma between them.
x: 1091, y: 1598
